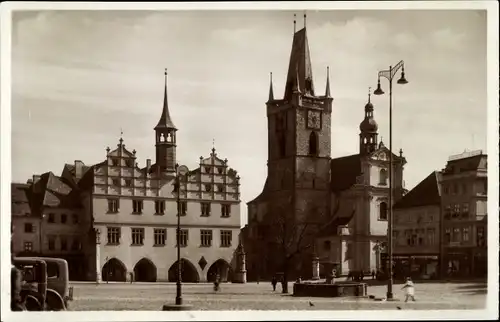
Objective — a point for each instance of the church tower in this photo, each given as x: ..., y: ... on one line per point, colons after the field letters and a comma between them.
x: 165, y: 138
x: 299, y: 144
x: 368, y: 127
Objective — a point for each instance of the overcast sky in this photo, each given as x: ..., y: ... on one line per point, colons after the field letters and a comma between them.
x: 79, y: 77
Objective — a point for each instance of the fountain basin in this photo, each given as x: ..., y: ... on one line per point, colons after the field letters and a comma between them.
x: 338, y: 289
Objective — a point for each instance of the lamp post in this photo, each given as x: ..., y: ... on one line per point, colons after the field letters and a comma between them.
x: 181, y: 171
x: 389, y: 74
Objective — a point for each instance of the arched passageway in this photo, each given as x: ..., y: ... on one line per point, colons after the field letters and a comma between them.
x: 145, y: 271
x: 222, y: 268
x: 114, y: 270
x: 188, y: 272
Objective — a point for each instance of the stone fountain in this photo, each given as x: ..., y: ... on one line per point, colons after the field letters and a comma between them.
x: 331, y: 286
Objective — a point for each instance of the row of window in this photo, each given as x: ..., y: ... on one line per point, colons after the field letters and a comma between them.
x: 413, y: 218
x: 416, y: 237
x: 456, y: 211
x: 461, y: 188
x: 208, y: 187
x: 65, y: 243
x: 52, y: 219
x: 459, y: 235
x: 138, y: 206
x: 160, y: 237
x: 130, y: 163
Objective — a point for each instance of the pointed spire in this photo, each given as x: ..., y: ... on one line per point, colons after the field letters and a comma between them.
x: 165, y: 119
x: 300, y: 63
x: 271, y: 93
x: 369, y: 94
x: 327, y: 91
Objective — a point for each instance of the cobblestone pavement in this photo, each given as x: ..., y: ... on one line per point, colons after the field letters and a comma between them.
x: 252, y: 296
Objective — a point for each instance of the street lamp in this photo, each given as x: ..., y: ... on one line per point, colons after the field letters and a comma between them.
x: 389, y: 74
x: 181, y: 171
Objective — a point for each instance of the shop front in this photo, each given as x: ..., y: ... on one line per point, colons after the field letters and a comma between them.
x: 458, y: 263
x: 421, y: 266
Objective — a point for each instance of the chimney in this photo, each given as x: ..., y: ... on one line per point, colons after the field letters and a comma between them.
x: 78, y: 169
x: 148, y: 165
x: 30, y: 181
x: 36, y: 177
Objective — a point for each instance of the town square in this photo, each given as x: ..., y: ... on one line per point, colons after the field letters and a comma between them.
x: 227, y: 160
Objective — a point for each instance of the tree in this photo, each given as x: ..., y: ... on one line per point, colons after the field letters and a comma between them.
x: 293, y: 231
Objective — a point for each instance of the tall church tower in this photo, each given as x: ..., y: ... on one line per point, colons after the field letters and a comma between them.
x: 165, y: 138
x: 299, y: 144
x: 368, y: 137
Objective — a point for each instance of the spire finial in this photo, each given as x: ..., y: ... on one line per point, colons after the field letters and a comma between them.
x: 121, y: 136
x: 166, y: 73
x: 271, y: 92
x: 305, y: 19
x: 294, y: 23
x: 327, y: 91
x: 213, y: 146
x: 369, y: 94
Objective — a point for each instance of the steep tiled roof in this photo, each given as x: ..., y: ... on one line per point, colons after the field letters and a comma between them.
x: 426, y: 193
x: 299, y: 67
x: 344, y: 171
x: 51, y: 191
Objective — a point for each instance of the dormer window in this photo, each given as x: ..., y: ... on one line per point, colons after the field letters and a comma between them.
x: 129, y: 163
x: 207, y: 169
x: 220, y: 169
x: 115, y: 162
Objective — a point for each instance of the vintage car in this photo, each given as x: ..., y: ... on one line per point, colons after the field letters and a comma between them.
x: 56, y: 276
x: 34, y: 282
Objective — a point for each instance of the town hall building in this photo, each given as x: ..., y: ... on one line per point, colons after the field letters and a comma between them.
x: 125, y: 216
x: 313, y: 207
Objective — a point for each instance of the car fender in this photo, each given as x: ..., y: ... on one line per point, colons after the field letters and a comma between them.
x: 54, y: 301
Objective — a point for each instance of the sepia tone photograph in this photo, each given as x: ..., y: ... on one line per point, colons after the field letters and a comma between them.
x: 263, y: 159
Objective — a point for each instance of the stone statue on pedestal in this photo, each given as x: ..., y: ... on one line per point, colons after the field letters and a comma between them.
x: 240, y: 275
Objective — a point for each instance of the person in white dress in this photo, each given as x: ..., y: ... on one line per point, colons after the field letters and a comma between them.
x: 409, y: 288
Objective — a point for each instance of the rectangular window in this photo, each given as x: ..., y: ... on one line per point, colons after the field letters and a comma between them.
x: 52, y: 218
x: 447, y: 212
x: 447, y: 235
x: 52, y: 242
x: 115, y: 162
x: 183, y: 238
x: 137, y: 206
x: 113, y: 206
x: 465, y: 210
x: 129, y: 163
x: 456, y: 211
x: 225, y: 210
x: 431, y: 236
x: 28, y: 227
x: 75, y: 219
x: 206, y: 238
x: 226, y: 237
x: 64, y: 243
x: 28, y: 246
x: 160, y: 236
x: 160, y: 207
x: 137, y: 236
x: 465, y: 234
x: 128, y: 182
x: 76, y: 245
x: 183, y: 208
x: 64, y: 218
x: 205, y: 209
x: 480, y: 238
x: 114, y: 234
x: 456, y: 235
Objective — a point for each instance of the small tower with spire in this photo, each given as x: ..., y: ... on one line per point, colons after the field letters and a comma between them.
x: 165, y: 137
x: 368, y: 130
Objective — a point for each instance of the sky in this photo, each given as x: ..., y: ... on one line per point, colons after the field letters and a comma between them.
x: 79, y: 78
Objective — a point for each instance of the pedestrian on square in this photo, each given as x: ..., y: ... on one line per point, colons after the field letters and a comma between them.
x: 274, y: 281
x: 409, y: 288
x: 373, y: 274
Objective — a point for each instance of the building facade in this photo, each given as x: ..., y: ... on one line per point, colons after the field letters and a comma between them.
x: 416, y: 231
x: 307, y: 194
x: 125, y: 217
x: 464, y: 215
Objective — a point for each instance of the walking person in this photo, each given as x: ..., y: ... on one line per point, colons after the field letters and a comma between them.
x: 274, y: 281
x: 16, y: 301
x: 373, y: 274
x: 409, y: 288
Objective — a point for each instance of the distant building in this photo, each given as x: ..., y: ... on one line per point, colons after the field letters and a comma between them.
x: 121, y: 219
x: 416, y: 231
x: 308, y: 198
x: 464, y: 215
